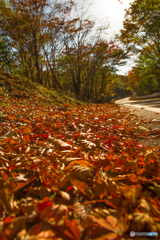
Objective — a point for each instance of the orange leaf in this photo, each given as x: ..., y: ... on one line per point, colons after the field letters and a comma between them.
x: 83, y: 188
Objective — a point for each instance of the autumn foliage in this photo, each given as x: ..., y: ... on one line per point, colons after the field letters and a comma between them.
x: 58, y: 49
x: 75, y: 172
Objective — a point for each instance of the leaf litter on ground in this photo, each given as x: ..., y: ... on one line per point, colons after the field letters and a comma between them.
x: 76, y: 172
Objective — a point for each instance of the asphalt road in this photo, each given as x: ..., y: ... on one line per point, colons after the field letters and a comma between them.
x: 148, y: 113
x: 150, y: 104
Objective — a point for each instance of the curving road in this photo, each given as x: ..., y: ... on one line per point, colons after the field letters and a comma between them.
x: 150, y: 104
x: 146, y: 110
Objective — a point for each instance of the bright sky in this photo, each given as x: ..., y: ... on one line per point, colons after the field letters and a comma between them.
x: 111, y: 9
x: 114, y: 11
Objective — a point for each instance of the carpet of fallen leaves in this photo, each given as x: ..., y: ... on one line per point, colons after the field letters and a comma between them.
x: 76, y: 172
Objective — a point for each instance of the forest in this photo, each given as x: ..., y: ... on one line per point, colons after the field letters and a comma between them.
x: 57, y: 45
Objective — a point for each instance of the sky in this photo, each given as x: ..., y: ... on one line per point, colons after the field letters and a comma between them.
x: 114, y: 11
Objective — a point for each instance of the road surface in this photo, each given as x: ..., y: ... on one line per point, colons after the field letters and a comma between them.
x: 148, y: 111
x: 150, y: 104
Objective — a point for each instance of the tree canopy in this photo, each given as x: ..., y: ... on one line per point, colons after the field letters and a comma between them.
x: 59, y: 46
x: 141, y: 36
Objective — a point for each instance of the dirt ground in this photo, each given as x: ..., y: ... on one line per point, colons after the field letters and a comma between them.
x: 147, y: 119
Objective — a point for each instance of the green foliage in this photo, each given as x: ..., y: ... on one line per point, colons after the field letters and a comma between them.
x: 141, y: 25
x: 140, y: 36
x: 142, y: 80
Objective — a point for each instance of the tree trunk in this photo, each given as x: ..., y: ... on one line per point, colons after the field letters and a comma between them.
x: 74, y: 82
x: 54, y: 79
x: 39, y: 80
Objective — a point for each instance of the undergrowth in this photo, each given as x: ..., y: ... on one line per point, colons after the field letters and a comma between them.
x: 17, y: 87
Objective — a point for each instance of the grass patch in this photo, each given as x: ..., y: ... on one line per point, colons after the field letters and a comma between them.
x: 16, y: 87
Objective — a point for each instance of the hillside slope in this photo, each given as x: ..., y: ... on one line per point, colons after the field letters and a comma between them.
x: 17, y: 87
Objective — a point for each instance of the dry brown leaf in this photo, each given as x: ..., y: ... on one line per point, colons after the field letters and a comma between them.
x: 88, y: 145
x: 82, y: 186
x: 150, y: 155
x: 140, y: 129
x: 144, y: 222
x: 104, y: 223
x: 81, y: 173
x: 108, y: 236
x: 144, y: 204
x: 67, y: 160
x: 65, y: 195
x: 61, y: 145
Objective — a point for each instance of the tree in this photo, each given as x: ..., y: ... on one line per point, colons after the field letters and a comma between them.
x: 29, y: 21
x: 87, y: 58
x: 141, y: 25
x: 105, y: 57
x: 6, y: 56
x: 59, y: 46
x: 97, y: 63
x: 141, y: 36
x: 77, y: 47
x: 24, y: 18
x: 143, y: 78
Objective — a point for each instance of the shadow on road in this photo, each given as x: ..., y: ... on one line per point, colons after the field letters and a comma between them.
x: 150, y: 103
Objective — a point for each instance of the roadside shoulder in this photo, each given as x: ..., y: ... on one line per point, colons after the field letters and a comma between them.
x: 147, y: 119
